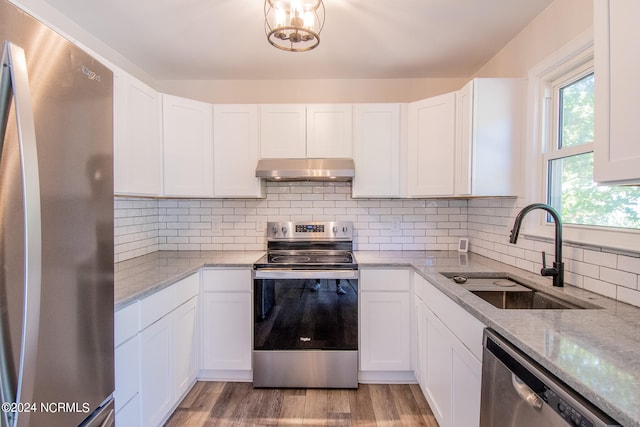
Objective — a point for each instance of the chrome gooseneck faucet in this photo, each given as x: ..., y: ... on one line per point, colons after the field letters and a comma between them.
x: 557, y: 271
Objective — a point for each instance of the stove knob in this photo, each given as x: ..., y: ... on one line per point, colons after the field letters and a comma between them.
x: 284, y: 230
x: 335, y: 229
x: 344, y: 229
x: 274, y: 229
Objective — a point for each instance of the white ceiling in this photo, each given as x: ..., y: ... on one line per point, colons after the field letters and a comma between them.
x: 224, y: 39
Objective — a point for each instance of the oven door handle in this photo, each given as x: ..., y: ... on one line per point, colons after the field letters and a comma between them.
x: 286, y: 273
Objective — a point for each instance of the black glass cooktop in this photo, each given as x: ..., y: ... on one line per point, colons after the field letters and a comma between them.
x: 304, y: 259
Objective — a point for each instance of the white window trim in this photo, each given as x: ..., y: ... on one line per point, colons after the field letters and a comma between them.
x: 575, y: 53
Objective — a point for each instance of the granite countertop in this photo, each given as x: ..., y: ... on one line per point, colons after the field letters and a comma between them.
x: 595, y: 351
x: 144, y: 275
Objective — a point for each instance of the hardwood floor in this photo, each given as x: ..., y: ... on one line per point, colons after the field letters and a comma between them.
x: 239, y: 404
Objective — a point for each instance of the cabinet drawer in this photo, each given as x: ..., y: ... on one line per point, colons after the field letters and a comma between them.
x: 229, y: 280
x: 374, y: 279
x: 163, y: 302
x: 129, y: 415
x: 126, y: 372
x: 126, y: 323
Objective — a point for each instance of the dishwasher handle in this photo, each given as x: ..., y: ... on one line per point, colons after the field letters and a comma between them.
x: 525, y: 392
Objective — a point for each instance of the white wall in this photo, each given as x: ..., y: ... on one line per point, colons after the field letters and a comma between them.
x: 310, y: 91
x: 559, y: 23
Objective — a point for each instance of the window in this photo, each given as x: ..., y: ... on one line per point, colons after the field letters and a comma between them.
x: 568, y: 158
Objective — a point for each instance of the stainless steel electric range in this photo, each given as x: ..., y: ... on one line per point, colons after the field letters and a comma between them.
x: 306, y: 307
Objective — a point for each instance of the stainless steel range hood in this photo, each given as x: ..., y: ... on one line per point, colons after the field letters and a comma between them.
x: 306, y: 169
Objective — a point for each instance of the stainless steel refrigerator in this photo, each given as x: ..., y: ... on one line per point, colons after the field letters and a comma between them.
x: 56, y: 229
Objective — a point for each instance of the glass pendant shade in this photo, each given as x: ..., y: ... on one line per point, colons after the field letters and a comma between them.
x: 293, y: 25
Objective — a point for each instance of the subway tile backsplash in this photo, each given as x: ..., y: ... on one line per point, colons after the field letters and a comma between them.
x: 135, y: 227
x: 611, y: 273
x: 147, y: 225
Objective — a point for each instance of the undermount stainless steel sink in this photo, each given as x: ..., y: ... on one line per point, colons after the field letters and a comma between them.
x: 508, y: 292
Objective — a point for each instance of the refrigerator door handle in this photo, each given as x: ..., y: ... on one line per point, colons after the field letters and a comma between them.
x: 14, y: 80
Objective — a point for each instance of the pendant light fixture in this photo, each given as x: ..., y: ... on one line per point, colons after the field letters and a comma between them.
x: 293, y: 25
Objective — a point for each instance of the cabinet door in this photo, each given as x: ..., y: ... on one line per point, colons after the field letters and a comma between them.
x: 439, y: 370
x: 226, y: 330
x: 235, y: 151
x: 137, y: 141
x: 282, y: 131
x: 385, y: 343
x: 420, y: 364
x: 329, y: 130
x: 617, y: 91
x: 187, y: 147
x: 376, y: 151
x: 431, y: 147
x: 466, y: 387
x: 489, y: 113
x: 184, y: 347
x: 464, y: 140
x: 156, y: 371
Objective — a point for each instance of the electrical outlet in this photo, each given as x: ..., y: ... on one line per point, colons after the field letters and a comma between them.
x: 216, y: 227
x: 261, y: 226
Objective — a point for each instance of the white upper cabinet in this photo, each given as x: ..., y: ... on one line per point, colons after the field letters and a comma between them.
x: 235, y: 151
x: 617, y: 91
x: 137, y: 140
x: 187, y: 147
x: 283, y: 131
x: 376, y: 150
x: 488, y: 132
x: 298, y: 131
x: 329, y: 130
x: 431, y: 146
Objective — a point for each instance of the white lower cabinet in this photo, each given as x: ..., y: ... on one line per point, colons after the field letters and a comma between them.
x: 156, y: 371
x: 385, y: 329
x: 127, y: 366
x: 226, y: 324
x: 184, y: 346
x: 448, y: 366
x: 385, y: 322
x: 155, y: 354
x: 466, y: 386
x: 438, y: 375
x: 129, y: 416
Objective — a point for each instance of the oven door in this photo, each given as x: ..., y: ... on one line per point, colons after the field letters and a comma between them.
x: 305, y: 312
x: 305, y: 328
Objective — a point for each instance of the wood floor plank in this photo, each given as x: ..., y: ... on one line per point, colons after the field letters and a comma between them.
x: 189, y: 399
x: 384, y: 407
x: 268, y: 407
x: 422, y: 403
x: 362, y: 414
x: 292, y: 410
x: 239, y: 404
x: 408, y: 411
x: 194, y: 410
x: 315, y: 407
x: 338, y: 408
x: 230, y: 397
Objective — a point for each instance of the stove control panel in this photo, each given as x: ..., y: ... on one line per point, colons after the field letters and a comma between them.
x: 330, y: 230
x: 309, y: 228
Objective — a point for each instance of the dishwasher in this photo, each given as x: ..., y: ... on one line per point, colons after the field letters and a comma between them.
x: 518, y: 392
